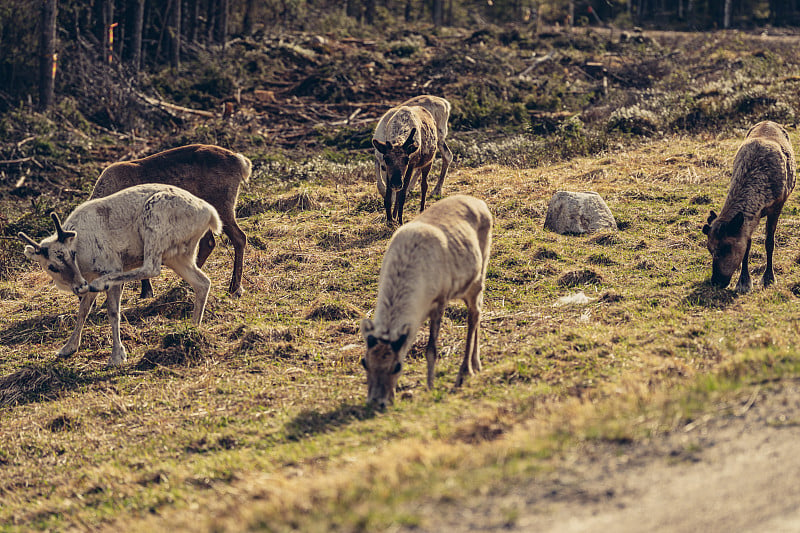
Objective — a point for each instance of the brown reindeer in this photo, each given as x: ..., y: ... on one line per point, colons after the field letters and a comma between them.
x: 763, y: 177
x: 209, y: 172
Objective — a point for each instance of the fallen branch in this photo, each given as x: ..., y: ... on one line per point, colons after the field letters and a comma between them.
x: 20, y: 160
x: 176, y: 108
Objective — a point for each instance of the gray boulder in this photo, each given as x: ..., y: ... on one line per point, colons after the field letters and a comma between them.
x: 578, y: 212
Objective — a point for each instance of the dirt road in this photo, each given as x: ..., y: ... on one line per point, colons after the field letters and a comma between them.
x: 724, y: 472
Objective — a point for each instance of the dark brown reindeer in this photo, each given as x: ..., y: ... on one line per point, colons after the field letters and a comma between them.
x: 439, y: 108
x: 763, y: 177
x: 408, y: 142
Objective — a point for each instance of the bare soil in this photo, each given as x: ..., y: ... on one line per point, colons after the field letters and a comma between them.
x: 735, y: 469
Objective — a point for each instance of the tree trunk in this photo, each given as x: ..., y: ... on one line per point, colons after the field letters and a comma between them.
x: 353, y: 9
x: 407, y: 12
x: 247, y: 23
x: 726, y: 16
x: 107, y: 18
x: 47, y: 50
x: 369, y: 11
x: 438, y: 12
x: 192, y: 16
x: 221, y: 19
x: 136, y: 37
x: 175, y: 34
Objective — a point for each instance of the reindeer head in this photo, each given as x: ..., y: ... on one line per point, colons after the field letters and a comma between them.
x: 56, y: 255
x: 727, y: 244
x: 396, y: 159
x: 383, y: 363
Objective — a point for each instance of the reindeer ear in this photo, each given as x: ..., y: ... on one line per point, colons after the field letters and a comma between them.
x: 381, y: 147
x: 711, y: 216
x: 398, y: 344
x: 367, y: 327
x: 706, y: 229
x: 735, y: 225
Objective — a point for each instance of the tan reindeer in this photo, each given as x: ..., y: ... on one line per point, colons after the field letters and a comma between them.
x: 208, y: 172
x: 763, y: 177
x: 439, y: 256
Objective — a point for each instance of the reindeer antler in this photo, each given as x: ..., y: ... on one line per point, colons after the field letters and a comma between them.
x: 24, y: 238
x: 62, y: 235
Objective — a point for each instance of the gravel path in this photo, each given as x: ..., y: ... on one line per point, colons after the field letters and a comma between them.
x: 725, y: 472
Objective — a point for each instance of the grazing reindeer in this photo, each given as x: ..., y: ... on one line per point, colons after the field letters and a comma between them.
x: 763, y: 177
x: 208, y: 172
x: 439, y: 108
x: 403, y: 154
x: 125, y: 237
x: 439, y: 256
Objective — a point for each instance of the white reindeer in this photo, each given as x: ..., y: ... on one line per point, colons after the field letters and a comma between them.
x: 439, y: 256
x: 405, y: 141
x: 123, y: 237
x: 439, y: 108
x: 208, y: 172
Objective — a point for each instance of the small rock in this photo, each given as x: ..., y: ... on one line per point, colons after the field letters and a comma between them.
x: 578, y: 212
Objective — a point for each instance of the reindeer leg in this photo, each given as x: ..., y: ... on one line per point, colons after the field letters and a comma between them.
x: 85, y: 306
x: 744, y: 284
x: 424, y: 187
x: 772, y: 224
x: 431, y: 353
x: 447, y: 158
x: 186, y: 269
x: 239, y: 241
x: 401, y: 200
x: 206, y: 246
x: 151, y: 268
x: 147, y: 289
x: 401, y: 194
x: 118, y: 353
x: 387, y: 204
x: 471, y: 352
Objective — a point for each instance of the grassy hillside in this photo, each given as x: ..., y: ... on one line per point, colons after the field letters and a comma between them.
x: 259, y: 415
x: 258, y: 418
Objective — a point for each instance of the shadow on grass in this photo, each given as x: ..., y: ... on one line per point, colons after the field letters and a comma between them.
x: 176, y: 304
x: 45, y: 328
x: 312, y: 422
x: 704, y: 294
x: 44, y: 382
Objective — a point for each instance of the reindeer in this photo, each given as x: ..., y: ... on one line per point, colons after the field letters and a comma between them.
x: 208, y: 172
x: 124, y: 237
x: 402, y: 154
x: 439, y: 256
x: 439, y: 108
x: 763, y: 177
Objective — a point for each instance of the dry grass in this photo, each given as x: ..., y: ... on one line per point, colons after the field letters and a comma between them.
x: 257, y: 420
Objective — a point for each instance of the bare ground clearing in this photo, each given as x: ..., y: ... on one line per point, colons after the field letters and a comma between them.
x: 735, y: 469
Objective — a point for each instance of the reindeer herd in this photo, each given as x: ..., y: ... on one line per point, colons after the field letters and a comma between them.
x: 166, y: 208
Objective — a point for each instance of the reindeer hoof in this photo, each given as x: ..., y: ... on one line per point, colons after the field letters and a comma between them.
x: 66, y: 351
x: 744, y: 288
x: 118, y: 357
x: 98, y: 288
